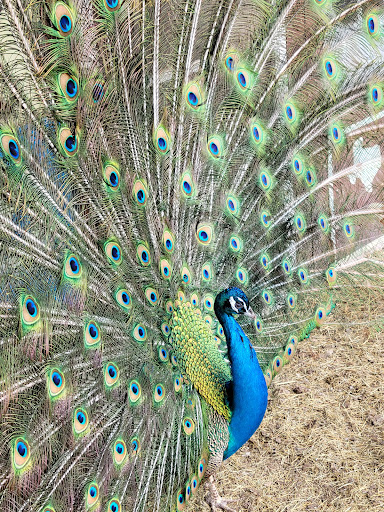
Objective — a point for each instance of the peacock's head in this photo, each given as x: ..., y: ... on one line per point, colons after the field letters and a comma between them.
x: 233, y: 300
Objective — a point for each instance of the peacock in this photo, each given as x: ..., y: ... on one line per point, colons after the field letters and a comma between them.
x: 186, y: 186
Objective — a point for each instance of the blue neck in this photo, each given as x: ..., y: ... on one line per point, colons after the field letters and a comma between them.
x: 249, y: 394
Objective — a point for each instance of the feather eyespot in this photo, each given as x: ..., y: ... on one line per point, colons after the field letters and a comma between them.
x: 112, y: 5
x: 186, y: 275
x: 135, y: 445
x: 206, y: 273
x: 30, y: 311
x: 300, y: 223
x: 201, y: 468
x: 152, y: 296
x: 68, y: 141
x: 323, y: 223
x: 289, y: 351
x: 123, y: 298
x: 69, y: 86
x: 376, y: 95
x: 181, y: 501
x: 372, y: 25
x: 233, y: 205
x: 92, y: 334
x: 114, y: 505
x: 320, y: 316
x: 290, y: 113
x: 111, y: 375
x: 11, y: 146
x: 187, y: 185
x: 72, y: 267
x: 265, y: 261
x: 169, y: 307
x: 139, y: 333
x: 168, y: 241
x: 215, y: 147
x: 119, y: 452
x: 244, y: 79
x: 165, y: 329
x: 56, y: 382
x: 92, y: 495
x: 195, y: 299
x: 204, y: 234
x: 134, y: 391
x: 162, y: 140
x: 268, y: 377
x: 291, y: 301
x: 188, y: 426
x: 208, y: 302
x: 163, y: 354
x: 143, y: 255
x: 235, y: 243
x: 348, y: 229
x: 277, y: 364
x: 267, y: 297
x: 165, y: 269
x: 287, y: 267
x: 231, y: 61
x: 140, y: 192
x: 303, y: 275
x: 177, y: 383
x: 298, y: 166
x: 194, y: 96
x: 265, y: 180
x: 113, y: 252
x: 331, y: 275
x: 258, y: 325
x: 21, y: 453
x: 112, y: 177
x: 310, y: 177
x: 194, y: 484
x: 48, y: 509
x: 64, y: 19
x: 80, y: 420
x: 242, y: 276
x: 159, y: 393
x: 265, y: 218
x: 330, y: 68
x: 257, y: 133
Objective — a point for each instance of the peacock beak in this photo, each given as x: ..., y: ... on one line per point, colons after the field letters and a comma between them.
x: 250, y: 313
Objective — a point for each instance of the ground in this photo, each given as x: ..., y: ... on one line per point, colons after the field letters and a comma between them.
x: 321, y: 444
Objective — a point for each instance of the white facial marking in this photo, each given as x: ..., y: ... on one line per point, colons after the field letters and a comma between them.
x: 232, y: 303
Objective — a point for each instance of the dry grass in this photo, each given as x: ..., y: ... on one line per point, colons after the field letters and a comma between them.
x: 321, y: 444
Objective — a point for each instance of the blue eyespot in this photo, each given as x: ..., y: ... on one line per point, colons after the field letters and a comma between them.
x: 74, y: 265
x: 65, y: 23
x: 71, y: 88
x: 70, y: 143
x: 192, y: 98
x: 31, y: 307
x: 111, y: 371
x: 120, y: 448
x: 135, y: 445
x: 144, y: 256
x: 115, y: 252
x: 335, y: 133
x: 256, y: 133
x: 371, y: 25
x: 162, y: 143
x: 153, y: 297
x: 92, y: 491
x: 229, y: 63
x: 375, y: 94
x: 159, y: 390
x: 289, y: 112
x: 206, y: 273
x: 125, y: 298
x: 141, y: 332
x: 14, y: 149
x: 56, y: 379
x: 329, y: 68
x: 168, y: 243
x: 214, y: 148
x: 203, y: 235
x: 242, y: 79
x: 93, y: 331
x: 140, y: 196
x: 80, y: 417
x: 112, y: 3
x: 234, y: 243
x: 187, y: 187
x: 21, y: 449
